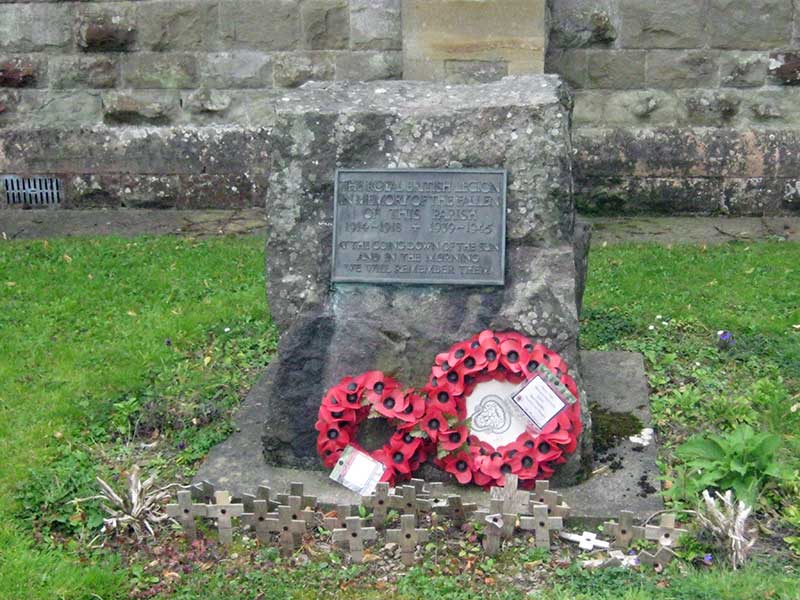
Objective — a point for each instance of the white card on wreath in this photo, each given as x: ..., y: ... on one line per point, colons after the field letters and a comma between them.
x: 358, y: 471
x: 543, y: 398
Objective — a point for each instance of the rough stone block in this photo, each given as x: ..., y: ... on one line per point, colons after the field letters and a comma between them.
x: 22, y: 71
x: 145, y: 70
x: 219, y: 191
x: 139, y: 108
x: 83, y: 71
x: 583, y: 23
x: 261, y: 24
x: 321, y: 127
x: 642, y: 108
x: 652, y: 195
x: 572, y: 65
x: 106, y: 27
x: 326, y: 24
x: 474, y: 71
x: 743, y: 69
x: 760, y: 195
x: 369, y: 66
x: 35, y: 27
x: 748, y: 25
x: 673, y: 24
x: 589, y: 108
x: 178, y: 24
x: 616, y: 69
x: 784, y: 67
x: 674, y: 69
x: 435, y: 31
x: 57, y: 109
x: 712, y: 108
x: 376, y: 25
x: 291, y: 69
x: 206, y: 101
x: 236, y: 69
x: 121, y: 190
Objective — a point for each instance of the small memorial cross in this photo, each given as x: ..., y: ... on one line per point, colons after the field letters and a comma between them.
x: 262, y: 493
x: 186, y: 511
x: 258, y: 518
x: 408, y: 503
x: 203, y: 492
x: 541, y: 523
x: 379, y: 503
x: 458, y: 511
x: 586, y: 541
x: 338, y: 521
x: 408, y: 537
x: 499, y: 526
x: 290, y: 530
x: 224, y: 511
x: 301, y: 514
x: 665, y: 533
x: 542, y: 494
x: 514, y: 500
x: 625, y: 531
x: 297, y: 489
x: 660, y: 559
x: 353, y: 536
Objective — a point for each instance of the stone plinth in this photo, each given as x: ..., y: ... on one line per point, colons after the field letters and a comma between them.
x: 517, y: 124
x: 473, y: 40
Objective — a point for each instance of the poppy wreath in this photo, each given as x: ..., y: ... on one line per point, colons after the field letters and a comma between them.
x: 373, y: 395
x: 501, y: 357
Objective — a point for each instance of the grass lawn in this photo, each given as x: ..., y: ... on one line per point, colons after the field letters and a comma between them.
x: 117, y: 351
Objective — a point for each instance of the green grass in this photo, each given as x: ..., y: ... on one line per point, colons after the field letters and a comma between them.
x: 85, y: 322
x: 106, y: 342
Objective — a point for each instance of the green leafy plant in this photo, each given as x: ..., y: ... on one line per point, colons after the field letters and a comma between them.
x: 742, y: 460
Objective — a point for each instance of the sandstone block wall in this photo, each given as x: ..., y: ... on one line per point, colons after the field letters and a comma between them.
x: 686, y: 106
x: 682, y: 106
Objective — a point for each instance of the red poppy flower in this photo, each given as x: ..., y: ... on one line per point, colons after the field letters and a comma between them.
x: 414, y: 410
x: 442, y: 399
x: 434, y: 421
x: 391, y: 404
x: 342, y: 417
x: 460, y: 465
x: 513, y: 356
x: 453, y: 438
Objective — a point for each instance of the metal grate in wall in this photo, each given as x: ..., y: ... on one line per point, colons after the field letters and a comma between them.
x: 32, y: 191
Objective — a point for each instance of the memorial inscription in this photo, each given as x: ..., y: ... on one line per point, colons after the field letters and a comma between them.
x: 421, y: 226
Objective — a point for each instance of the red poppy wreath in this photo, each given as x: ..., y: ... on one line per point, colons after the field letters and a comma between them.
x: 440, y: 419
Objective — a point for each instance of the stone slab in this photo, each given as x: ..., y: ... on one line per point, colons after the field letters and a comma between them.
x: 507, y: 37
x: 614, y: 380
x: 328, y: 332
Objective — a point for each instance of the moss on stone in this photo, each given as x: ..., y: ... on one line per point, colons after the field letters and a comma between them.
x: 609, y: 427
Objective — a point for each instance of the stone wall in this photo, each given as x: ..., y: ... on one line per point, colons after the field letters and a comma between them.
x: 680, y: 106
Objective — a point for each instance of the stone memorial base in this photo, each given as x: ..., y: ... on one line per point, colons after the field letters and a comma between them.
x: 520, y: 125
x: 238, y: 464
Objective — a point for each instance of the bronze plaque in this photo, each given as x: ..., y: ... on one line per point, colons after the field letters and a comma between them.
x: 420, y: 226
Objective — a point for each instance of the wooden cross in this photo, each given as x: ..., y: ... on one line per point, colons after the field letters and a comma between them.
x: 419, y: 487
x: 541, y: 523
x: 499, y: 526
x: 301, y: 514
x: 408, y: 503
x: 666, y: 533
x: 379, y: 503
x: 408, y: 537
x: 660, y: 559
x: 339, y: 520
x: 514, y: 500
x: 586, y: 541
x: 458, y: 511
x: 258, y: 518
x: 223, y: 511
x: 542, y: 494
x: 185, y: 511
x: 353, y: 537
x: 203, y: 492
x: 262, y: 493
x: 296, y: 489
x: 625, y: 531
x: 434, y: 491
x: 290, y: 530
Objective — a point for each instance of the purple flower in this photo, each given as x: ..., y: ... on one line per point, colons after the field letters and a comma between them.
x: 182, y: 445
x: 725, y: 340
x: 168, y: 342
x: 708, y: 559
